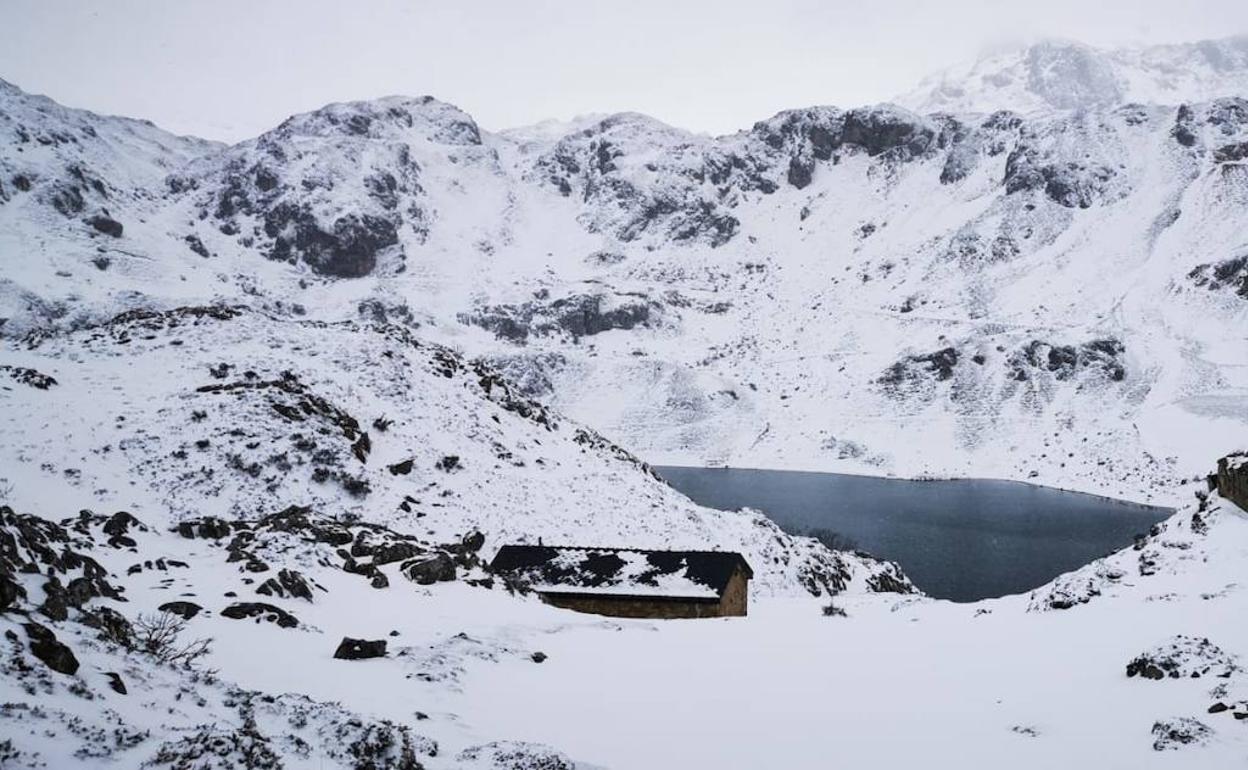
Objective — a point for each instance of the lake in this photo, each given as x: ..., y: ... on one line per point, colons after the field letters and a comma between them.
x: 959, y: 539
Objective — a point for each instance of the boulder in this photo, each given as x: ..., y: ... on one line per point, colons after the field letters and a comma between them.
x: 287, y: 583
x: 106, y: 224
x: 360, y: 649
x: 430, y: 569
x: 183, y: 609
x: 45, y: 647
x: 114, y: 681
x: 260, y: 611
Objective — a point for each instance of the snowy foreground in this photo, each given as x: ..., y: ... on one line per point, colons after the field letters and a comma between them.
x: 899, y: 680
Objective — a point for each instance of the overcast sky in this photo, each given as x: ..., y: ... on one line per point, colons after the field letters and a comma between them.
x: 229, y: 69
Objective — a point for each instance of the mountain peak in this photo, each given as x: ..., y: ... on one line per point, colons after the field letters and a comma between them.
x: 1056, y: 74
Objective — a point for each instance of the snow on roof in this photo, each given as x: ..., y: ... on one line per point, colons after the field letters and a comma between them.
x: 621, y: 571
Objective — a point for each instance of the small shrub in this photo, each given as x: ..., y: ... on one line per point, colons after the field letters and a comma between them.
x: 160, y: 635
x: 830, y: 610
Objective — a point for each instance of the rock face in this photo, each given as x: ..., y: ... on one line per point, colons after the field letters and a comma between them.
x: 360, y: 649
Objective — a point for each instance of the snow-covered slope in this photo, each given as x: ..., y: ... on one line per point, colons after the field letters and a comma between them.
x: 1057, y: 296
x: 237, y: 414
x: 1061, y: 74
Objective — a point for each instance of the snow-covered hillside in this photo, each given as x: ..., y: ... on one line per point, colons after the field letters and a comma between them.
x: 240, y: 415
x: 1057, y: 296
x: 1061, y: 74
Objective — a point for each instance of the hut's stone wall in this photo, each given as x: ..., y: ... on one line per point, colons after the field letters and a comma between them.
x: 734, y: 602
x: 1233, y: 478
x: 635, y: 606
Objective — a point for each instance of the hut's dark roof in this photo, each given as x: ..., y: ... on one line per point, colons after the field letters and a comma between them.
x: 621, y: 571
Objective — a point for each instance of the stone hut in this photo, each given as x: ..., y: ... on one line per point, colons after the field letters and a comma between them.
x: 632, y: 583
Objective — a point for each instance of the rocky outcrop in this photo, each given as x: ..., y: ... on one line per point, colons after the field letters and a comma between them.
x: 1064, y: 362
x: 287, y: 584
x: 574, y: 316
x: 1183, y: 657
x: 1229, y: 275
x: 513, y: 755
x: 1179, y: 732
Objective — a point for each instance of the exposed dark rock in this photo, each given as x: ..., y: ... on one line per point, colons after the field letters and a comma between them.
x: 801, y: 171
x: 118, y: 528
x: 880, y: 130
x: 208, y: 527
x: 1171, y: 734
x: 429, y: 569
x: 29, y: 377
x: 1184, y: 126
x: 515, y: 755
x: 1229, y: 274
x: 1231, y: 153
x: 106, y: 225
x: 45, y: 647
x: 1065, y: 361
x: 360, y: 649
x: 401, y: 468
x: 1183, y: 657
x: 115, y: 683
x: 473, y: 541
x: 346, y: 249
x: 183, y: 609
x: 11, y: 593
x: 396, y: 551
x: 938, y: 365
x: 260, y: 611
x: 288, y: 583
x: 196, y: 245
x: 111, y: 624
x: 1068, y: 183
x: 578, y: 315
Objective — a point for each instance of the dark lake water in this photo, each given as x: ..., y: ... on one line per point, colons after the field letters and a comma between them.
x: 961, y: 539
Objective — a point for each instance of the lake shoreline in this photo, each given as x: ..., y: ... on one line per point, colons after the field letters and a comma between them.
x: 917, y: 480
x: 961, y: 539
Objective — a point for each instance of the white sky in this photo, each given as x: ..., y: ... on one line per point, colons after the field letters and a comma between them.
x: 229, y: 69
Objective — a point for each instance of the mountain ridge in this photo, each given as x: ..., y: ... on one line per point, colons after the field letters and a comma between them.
x: 650, y: 281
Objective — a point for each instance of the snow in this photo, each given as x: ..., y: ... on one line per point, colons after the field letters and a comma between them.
x: 935, y: 295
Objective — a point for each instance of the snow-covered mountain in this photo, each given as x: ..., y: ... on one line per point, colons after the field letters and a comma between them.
x: 870, y: 290
x: 299, y: 388
x: 1061, y: 74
